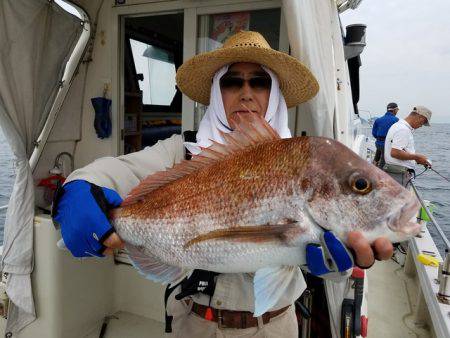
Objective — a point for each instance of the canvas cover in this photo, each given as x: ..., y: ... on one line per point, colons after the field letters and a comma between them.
x: 310, y: 32
x: 37, y: 37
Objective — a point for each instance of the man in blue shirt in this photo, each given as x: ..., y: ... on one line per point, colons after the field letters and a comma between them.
x: 380, y: 129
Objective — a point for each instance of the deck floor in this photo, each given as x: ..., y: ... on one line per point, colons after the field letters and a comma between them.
x: 131, y: 326
x: 392, y: 303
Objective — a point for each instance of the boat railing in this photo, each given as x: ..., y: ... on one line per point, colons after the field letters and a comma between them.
x: 436, y: 291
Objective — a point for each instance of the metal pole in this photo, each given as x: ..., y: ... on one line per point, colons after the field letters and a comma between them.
x: 68, y: 76
x: 430, y: 215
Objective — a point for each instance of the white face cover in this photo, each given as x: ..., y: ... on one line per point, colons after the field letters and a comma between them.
x: 215, y: 119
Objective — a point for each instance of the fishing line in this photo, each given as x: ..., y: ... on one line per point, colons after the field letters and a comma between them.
x: 414, y: 176
x: 422, y: 172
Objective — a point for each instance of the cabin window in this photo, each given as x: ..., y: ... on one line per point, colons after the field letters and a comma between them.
x: 214, y: 29
x: 153, y: 50
x: 157, y: 67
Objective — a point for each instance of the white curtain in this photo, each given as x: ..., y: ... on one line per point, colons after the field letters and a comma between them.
x: 36, y: 39
x: 311, y: 26
x: 310, y: 37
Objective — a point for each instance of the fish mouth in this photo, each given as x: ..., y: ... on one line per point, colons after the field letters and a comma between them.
x: 402, y: 221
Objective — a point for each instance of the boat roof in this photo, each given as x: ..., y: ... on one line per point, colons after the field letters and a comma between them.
x: 92, y: 6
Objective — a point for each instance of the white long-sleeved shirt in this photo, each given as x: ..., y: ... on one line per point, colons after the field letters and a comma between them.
x: 233, y: 291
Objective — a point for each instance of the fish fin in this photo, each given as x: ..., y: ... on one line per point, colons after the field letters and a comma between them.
x: 254, y: 127
x: 255, y: 233
x: 251, y: 129
x: 151, y: 267
x: 269, y: 285
x: 161, y: 178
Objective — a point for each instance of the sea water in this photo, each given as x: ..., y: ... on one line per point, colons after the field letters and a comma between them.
x: 434, y: 142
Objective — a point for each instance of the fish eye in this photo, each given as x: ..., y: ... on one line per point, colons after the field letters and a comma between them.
x: 359, y: 184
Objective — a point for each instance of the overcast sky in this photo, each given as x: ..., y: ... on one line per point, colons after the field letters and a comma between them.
x: 407, y: 57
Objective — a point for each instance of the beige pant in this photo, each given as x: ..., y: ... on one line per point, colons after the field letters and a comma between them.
x: 190, y: 325
x: 398, y: 173
x: 402, y: 178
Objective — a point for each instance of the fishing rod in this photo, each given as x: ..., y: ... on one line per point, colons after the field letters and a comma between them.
x: 425, y: 207
x: 429, y: 167
x: 445, y: 178
x: 431, y: 217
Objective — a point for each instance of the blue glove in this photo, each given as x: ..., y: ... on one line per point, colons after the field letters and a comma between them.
x: 81, y: 210
x: 330, y: 258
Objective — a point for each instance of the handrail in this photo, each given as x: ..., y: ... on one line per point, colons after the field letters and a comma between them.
x: 4, y: 207
x: 430, y: 215
x: 65, y: 83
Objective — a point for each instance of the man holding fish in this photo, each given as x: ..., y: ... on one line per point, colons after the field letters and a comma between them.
x: 242, y: 214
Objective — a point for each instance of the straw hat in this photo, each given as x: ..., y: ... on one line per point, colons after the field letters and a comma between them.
x: 296, y: 81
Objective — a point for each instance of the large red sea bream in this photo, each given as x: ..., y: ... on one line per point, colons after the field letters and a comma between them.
x: 253, y: 204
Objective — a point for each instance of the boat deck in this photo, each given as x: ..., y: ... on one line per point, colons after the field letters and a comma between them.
x: 392, y: 309
x: 393, y: 298
x: 392, y: 303
x: 126, y: 324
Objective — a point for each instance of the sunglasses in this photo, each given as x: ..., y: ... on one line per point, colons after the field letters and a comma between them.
x: 235, y: 82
